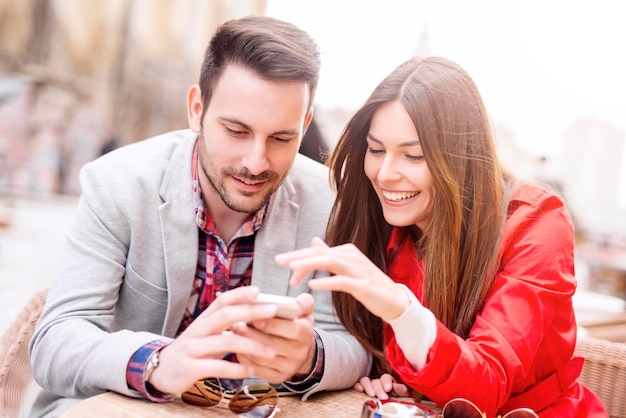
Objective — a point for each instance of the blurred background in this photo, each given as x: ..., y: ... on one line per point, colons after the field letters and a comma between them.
x: 80, y: 78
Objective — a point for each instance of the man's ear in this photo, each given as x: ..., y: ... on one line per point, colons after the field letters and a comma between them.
x: 307, y: 120
x: 194, y: 108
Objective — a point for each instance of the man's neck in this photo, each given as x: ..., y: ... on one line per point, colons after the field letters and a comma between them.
x: 228, y: 224
x: 227, y: 221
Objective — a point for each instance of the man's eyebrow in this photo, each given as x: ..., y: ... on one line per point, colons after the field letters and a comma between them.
x: 402, y: 144
x: 289, y: 132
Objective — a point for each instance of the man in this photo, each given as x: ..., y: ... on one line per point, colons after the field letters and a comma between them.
x: 175, y: 236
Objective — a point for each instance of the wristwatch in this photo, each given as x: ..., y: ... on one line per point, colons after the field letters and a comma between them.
x: 153, y: 363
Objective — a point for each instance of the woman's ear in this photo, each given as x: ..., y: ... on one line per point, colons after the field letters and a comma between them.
x: 194, y: 108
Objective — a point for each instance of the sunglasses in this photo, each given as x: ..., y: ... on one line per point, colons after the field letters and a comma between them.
x: 455, y: 408
x: 462, y: 408
x: 257, y: 400
x: 391, y: 408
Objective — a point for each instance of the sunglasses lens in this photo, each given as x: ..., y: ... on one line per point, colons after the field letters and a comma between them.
x: 203, y: 394
x: 390, y: 408
x: 254, y: 401
x: 229, y: 386
x: 522, y: 413
x: 461, y: 408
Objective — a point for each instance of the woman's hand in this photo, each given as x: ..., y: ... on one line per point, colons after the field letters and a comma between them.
x: 353, y: 273
x: 383, y: 387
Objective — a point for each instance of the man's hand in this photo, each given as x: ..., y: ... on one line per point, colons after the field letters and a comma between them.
x: 197, y: 353
x: 292, y: 340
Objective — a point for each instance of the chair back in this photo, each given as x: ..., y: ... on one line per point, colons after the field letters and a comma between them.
x: 15, y: 370
x: 604, y: 372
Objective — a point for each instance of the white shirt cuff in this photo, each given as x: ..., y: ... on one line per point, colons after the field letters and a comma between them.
x: 415, y: 330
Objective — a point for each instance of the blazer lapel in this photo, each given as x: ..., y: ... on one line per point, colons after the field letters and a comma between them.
x: 180, y: 233
x: 277, y: 235
x: 180, y: 253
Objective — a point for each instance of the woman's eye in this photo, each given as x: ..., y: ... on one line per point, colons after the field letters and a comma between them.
x: 375, y: 151
x: 415, y: 157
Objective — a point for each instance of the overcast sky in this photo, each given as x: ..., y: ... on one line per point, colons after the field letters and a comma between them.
x: 540, y: 65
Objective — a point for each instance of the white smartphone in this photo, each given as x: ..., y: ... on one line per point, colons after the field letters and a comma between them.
x: 288, y: 307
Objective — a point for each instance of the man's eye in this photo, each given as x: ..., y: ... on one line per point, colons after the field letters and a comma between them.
x: 234, y: 132
x: 280, y: 139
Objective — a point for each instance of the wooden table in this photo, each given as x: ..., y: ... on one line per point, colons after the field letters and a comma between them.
x: 346, y: 403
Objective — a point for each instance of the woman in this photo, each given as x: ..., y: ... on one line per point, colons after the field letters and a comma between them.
x: 456, y: 276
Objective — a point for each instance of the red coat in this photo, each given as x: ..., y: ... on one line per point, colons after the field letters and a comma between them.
x: 520, y: 348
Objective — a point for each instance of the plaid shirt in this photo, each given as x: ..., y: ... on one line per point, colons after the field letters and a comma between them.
x: 220, y: 267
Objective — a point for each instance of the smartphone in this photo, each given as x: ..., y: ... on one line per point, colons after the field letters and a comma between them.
x: 288, y: 307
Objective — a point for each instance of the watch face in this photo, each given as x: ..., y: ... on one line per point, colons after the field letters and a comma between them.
x: 153, y: 362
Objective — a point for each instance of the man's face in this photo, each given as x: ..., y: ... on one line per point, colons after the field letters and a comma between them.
x: 248, y: 138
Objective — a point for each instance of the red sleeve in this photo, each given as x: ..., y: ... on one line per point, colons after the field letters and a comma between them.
x: 526, y: 327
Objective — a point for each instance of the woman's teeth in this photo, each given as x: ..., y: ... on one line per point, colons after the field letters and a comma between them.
x: 397, y: 196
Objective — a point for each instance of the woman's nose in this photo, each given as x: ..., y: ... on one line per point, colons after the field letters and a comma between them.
x: 388, y: 169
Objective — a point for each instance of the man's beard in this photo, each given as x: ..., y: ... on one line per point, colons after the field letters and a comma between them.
x: 243, y: 174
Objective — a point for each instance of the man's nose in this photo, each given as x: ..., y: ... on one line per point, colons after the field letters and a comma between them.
x: 255, y: 159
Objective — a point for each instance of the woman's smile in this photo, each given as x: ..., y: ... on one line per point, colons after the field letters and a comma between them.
x: 398, y: 196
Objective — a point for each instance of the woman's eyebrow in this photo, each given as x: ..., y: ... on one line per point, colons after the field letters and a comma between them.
x: 402, y: 144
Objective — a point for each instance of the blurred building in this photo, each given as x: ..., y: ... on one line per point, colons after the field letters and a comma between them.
x: 594, y: 154
x: 79, y: 78
x: 78, y: 74
x: 594, y: 179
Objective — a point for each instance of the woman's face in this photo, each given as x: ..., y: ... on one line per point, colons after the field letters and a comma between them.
x: 395, y: 165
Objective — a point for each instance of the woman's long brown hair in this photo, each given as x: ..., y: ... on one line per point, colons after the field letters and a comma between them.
x: 469, y: 207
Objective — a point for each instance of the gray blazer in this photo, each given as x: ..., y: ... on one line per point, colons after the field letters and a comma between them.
x: 130, y: 263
